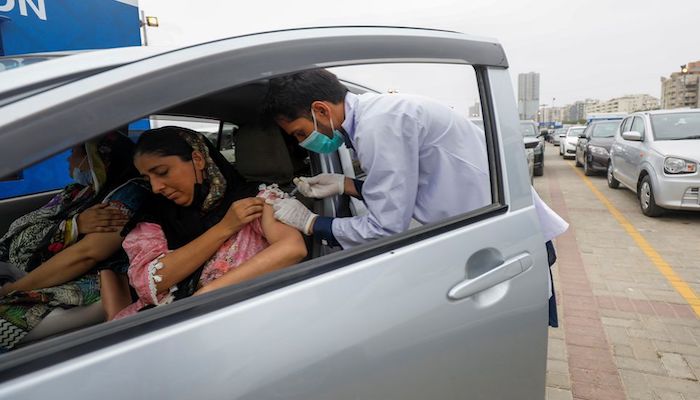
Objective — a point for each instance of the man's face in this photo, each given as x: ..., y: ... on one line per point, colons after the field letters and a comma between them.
x: 302, y: 127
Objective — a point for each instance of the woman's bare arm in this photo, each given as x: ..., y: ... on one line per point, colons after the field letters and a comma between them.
x: 286, y: 248
x: 69, y: 264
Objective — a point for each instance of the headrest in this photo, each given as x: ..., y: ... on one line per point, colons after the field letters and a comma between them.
x: 262, y: 154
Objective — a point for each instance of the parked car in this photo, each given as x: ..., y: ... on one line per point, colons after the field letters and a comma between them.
x: 593, y: 148
x: 440, y: 311
x: 656, y: 154
x: 529, y: 142
x: 567, y: 143
x: 556, y: 136
x: 528, y: 128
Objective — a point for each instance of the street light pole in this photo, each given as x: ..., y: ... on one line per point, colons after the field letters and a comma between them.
x: 684, y: 72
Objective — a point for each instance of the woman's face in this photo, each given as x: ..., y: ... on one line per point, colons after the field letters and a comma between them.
x: 171, y: 176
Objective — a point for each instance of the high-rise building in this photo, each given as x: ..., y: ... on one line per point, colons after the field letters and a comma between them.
x: 528, y: 95
x: 681, y: 89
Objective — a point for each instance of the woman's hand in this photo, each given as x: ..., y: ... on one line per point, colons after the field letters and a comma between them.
x: 101, y: 218
x: 242, y: 212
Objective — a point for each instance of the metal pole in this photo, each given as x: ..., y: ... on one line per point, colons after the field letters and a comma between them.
x: 143, y: 25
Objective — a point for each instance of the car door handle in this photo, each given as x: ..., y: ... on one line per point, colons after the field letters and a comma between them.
x: 501, y: 273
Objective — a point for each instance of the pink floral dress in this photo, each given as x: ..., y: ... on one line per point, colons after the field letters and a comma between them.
x: 146, y: 245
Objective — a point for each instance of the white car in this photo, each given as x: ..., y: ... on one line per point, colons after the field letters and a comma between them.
x: 567, y: 145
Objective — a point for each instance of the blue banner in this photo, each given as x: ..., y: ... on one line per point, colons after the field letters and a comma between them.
x: 32, y: 26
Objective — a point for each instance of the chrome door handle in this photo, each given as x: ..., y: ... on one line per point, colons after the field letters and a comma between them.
x: 507, y: 270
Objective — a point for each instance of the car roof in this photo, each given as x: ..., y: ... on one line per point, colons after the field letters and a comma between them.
x: 671, y: 111
x: 64, y: 65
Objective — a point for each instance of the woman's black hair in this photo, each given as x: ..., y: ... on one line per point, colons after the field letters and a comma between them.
x: 165, y: 141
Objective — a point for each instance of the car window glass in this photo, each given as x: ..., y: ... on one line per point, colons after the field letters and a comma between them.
x: 227, y: 146
x: 676, y: 126
x: 626, y: 125
x: 208, y: 127
x: 604, y: 129
x: 406, y: 79
x: 638, y: 125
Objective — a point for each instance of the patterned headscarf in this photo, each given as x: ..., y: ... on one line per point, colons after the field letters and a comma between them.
x: 212, y: 173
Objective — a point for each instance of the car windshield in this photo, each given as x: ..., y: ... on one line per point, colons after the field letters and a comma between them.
x: 605, y: 129
x: 478, y: 123
x: 676, y: 126
x: 7, y: 63
x: 574, y: 132
x: 527, y: 129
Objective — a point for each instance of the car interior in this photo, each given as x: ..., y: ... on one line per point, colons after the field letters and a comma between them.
x: 260, y: 152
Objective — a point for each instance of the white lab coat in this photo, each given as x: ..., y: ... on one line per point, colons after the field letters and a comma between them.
x: 423, y: 160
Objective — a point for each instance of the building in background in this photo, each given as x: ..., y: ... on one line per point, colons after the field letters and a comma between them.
x: 625, y: 104
x: 528, y: 95
x: 681, y: 89
x: 576, y: 112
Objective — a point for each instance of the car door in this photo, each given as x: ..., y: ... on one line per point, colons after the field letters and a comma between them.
x: 582, y: 144
x: 636, y: 152
x: 620, y: 150
x: 449, y: 310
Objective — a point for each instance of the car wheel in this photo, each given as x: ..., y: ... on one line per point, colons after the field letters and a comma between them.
x: 578, y: 164
x: 646, y: 199
x: 587, y: 168
x: 612, y: 182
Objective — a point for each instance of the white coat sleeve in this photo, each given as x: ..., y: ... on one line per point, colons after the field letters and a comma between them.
x: 551, y: 223
x: 388, y: 149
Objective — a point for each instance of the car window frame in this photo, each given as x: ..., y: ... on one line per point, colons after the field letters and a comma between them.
x: 146, y: 81
x: 641, y: 121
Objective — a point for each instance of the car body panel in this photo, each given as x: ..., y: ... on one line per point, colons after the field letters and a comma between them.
x: 376, y: 321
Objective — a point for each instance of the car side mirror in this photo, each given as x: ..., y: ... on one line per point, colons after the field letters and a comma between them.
x: 632, y: 135
x: 531, y: 144
x: 582, y: 135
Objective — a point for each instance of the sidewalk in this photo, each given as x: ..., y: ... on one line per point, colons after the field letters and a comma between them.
x: 625, y: 332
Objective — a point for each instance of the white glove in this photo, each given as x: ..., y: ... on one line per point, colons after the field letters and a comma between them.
x: 320, y: 186
x: 293, y: 213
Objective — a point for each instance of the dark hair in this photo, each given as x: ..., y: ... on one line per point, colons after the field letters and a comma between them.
x: 165, y: 141
x: 291, y: 96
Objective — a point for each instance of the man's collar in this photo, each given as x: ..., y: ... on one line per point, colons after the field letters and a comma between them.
x: 348, y: 124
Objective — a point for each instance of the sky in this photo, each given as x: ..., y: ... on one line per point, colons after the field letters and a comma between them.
x: 582, y: 49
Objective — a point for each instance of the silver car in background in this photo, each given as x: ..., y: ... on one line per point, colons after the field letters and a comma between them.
x: 656, y: 154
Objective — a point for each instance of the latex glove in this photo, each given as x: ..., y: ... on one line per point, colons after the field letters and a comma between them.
x: 320, y: 186
x: 293, y: 213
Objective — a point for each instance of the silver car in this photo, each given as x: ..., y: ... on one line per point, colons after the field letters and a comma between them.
x: 454, y: 309
x: 656, y: 154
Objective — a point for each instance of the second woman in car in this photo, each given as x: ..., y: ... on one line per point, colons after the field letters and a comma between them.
x: 204, y: 229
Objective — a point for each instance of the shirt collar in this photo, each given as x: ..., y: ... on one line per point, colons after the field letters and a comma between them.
x: 348, y: 124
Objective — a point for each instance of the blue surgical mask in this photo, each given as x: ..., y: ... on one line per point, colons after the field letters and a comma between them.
x: 82, y: 177
x: 320, y: 143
